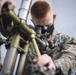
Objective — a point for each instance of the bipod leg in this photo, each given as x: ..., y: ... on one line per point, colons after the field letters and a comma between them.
x: 11, y: 56
x: 22, y: 60
x: 35, y: 46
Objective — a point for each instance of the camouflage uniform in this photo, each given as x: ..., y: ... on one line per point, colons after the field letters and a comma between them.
x: 64, y: 53
x: 74, y: 73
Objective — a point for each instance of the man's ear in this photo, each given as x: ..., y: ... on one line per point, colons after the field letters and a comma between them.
x: 54, y: 17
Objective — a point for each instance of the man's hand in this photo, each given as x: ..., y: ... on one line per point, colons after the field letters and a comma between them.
x: 11, y: 4
x: 44, y: 60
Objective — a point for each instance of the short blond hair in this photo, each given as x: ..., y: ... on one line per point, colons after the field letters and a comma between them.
x: 40, y: 9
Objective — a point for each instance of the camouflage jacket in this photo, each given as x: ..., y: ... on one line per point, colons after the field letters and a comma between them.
x: 74, y: 73
x: 64, y: 53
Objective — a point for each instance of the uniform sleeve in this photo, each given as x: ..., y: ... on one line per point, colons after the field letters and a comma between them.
x: 6, y: 25
x: 67, y: 61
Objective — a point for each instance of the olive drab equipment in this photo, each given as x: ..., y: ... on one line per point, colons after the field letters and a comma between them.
x: 18, y: 42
